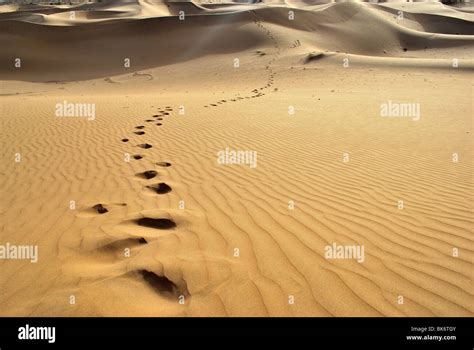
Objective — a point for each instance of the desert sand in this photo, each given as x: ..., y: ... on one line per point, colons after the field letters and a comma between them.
x: 132, y: 212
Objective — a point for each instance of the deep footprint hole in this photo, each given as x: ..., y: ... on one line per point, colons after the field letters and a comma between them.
x: 158, y: 283
x: 148, y: 174
x: 100, y: 208
x: 160, y: 188
x: 162, y: 224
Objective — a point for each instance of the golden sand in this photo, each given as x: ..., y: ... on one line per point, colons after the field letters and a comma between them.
x: 304, y: 96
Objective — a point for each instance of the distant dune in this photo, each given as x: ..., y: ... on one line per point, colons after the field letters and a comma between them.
x: 92, y: 44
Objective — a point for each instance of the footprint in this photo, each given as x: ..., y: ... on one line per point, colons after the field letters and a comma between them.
x: 162, y: 224
x: 149, y: 120
x: 145, y: 145
x: 117, y: 246
x: 137, y: 157
x: 160, y: 284
x: 163, y: 164
x: 124, y: 140
x: 100, y: 208
x: 139, y: 127
x: 160, y: 188
x: 139, y: 132
x: 159, y: 118
x: 159, y: 124
x: 149, y: 174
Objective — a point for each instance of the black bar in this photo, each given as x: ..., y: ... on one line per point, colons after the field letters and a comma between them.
x: 119, y: 332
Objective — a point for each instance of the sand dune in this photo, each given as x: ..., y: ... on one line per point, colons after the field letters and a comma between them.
x: 158, y: 227
x: 436, y: 19
x: 344, y: 28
